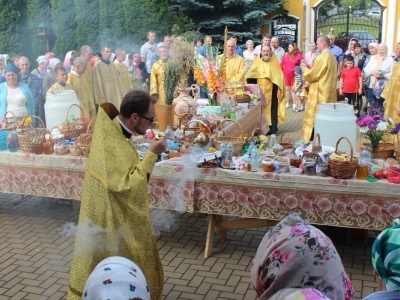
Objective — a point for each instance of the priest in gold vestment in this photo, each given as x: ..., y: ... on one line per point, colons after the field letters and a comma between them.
x: 234, y: 63
x: 122, y: 70
x: 391, y: 94
x: 87, y: 53
x: 322, y: 78
x: 157, y: 75
x: 107, y: 86
x: 114, y: 217
x: 267, y: 73
x: 79, y: 84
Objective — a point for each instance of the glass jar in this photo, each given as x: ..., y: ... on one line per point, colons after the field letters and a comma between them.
x: 362, y: 171
x: 48, y: 148
x: 12, y: 142
x: 37, y: 148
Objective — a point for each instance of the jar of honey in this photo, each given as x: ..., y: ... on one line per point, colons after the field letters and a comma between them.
x: 173, y: 154
x: 295, y: 161
x: 37, y: 148
x: 268, y: 165
x: 362, y: 172
x: 48, y: 148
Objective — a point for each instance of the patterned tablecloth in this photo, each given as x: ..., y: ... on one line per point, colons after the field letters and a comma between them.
x: 346, y: 203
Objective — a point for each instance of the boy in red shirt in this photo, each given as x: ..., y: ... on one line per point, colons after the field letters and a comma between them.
x: 351, y: 83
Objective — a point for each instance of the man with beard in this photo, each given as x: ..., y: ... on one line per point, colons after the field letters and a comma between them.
x: 267, y: 73
x: 106, y: 83
x: 114, y: 217
x: 322, y: 78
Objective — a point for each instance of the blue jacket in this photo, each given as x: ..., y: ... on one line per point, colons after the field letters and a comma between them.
x: 203, y: 50
x: 27, y: 92
x: 2, y: 79
x: 35, y: 85
x: 239, y: 51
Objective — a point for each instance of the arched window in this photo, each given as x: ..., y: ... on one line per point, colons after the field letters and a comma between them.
x: 286, y: 29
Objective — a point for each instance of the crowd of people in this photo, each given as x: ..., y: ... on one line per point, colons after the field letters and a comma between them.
x: 294, y: 260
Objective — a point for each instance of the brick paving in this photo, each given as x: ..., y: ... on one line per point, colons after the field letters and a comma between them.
x: 35, y: 259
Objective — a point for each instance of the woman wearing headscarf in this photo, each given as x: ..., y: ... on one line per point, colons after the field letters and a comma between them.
x: 116, y: 278
x: 69, y: 60
x: 15, y: 96
x: 379, y: 69
x: 50, y: 78
x: 41, y: 69
x: 350, y: 47
x: 386, y: 263
x: 359, y: 56
x: 293, y: 258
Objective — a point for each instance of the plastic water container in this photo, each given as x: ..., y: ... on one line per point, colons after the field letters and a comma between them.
x: 57, y: 105
x: 334, y: 122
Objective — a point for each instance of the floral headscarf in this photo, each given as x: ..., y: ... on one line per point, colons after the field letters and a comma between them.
x: 386, y: 256
x: 116, y: 278
x: 296, y: 255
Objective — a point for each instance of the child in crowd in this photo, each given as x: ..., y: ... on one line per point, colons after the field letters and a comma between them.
x: 61, y: 83
x: 351, y: 83
x: 297, y: 89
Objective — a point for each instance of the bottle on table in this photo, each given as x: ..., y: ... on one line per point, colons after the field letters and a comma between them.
x: 272, y: 141
x: 363, y: 164
x: 250, y: 153
x: 229, y: 155
x: 255, y: 159
x: 222, y: 148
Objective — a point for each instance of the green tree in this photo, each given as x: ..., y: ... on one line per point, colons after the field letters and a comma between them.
x: 63, y: 14
x: 11, y: 26
x: 87, y: 23
x: 244, y: 18
x: 38, y: 12
x: 140, y: 16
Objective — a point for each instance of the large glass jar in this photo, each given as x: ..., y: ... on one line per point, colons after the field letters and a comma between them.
x: 12, y: 142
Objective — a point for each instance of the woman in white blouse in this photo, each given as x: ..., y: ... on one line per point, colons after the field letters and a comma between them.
x: 15, y: 96
x: 376, y: 75
x: 248, y: 55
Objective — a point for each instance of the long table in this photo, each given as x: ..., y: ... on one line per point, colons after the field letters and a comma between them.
x: 260, y: 198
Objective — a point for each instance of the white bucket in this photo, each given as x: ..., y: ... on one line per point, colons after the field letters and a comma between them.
x: 57, y: 105
x: 334, y: 121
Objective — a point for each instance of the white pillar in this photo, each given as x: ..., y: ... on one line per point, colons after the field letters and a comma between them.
x: 308, y: 21
x: 391, y: 24
x: 312, y: 28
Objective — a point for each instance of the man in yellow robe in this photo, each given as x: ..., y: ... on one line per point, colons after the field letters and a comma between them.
x: 122, y: 70
x: 322, y: 78
x: 267, y: 73
x: 157, y: 75
x: 391, y: 94
x: 106, y: 83
x: 234, y: 63
x: 114, y: 218
x: 81, y: 88
x: 87, y: 53
x: 61, y: 80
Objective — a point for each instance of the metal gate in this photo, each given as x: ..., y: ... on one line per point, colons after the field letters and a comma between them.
x: 365, y: 26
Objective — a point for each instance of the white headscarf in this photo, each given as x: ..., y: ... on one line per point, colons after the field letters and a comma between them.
x: 116, y: 278
x: 53, y: 62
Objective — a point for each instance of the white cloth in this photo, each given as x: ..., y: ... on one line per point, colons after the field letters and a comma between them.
x: 16, y: 103
x: 386, y: 68
x: 248, y: 59
x: 116, y: 278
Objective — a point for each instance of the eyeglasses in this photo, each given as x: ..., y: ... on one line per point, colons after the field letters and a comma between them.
x: 151, y: 120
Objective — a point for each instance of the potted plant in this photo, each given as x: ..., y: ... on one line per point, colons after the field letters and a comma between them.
x: 374, y: 129
x: 172, y: 77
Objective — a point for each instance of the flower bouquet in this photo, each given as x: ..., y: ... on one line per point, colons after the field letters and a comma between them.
x: 374, y: 129
x: 210, y: 73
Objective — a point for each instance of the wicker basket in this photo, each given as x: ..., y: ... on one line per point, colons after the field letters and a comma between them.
x: 11, y: 126
x: 315, y: 149
x: 385, y: 151
x: 194, y: 131
x: 85, y: 139
x: 59, y: 140
x: 184, y: 120
x: 244, y: 98
x: 26, y: 136
x: 237, y: 142
x: 75, y: 128
x: 343, y: 169
x: 288, y: 144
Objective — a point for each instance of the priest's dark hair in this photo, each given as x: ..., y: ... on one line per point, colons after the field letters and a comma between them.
x: 137, y: 102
